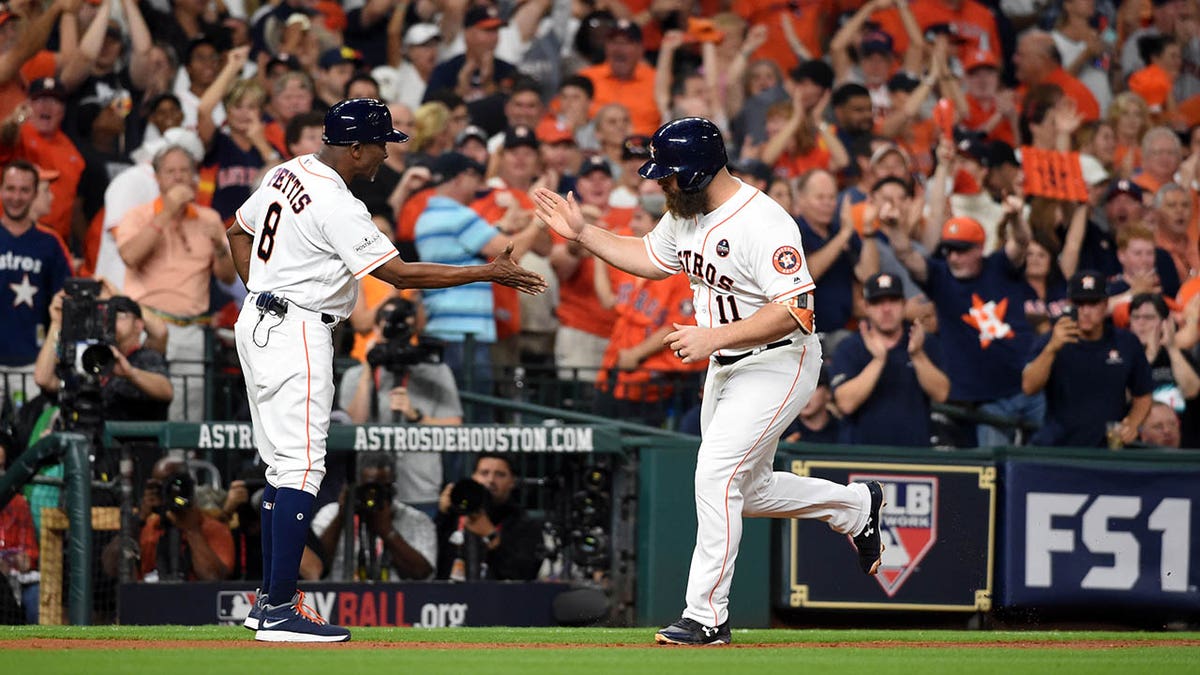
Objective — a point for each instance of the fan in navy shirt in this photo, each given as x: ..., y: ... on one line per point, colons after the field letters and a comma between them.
x: 981, y: 318
x: 484, y: 74
x: 884, y: 376
x: 836, y: 255
x: 815, y: 423
x: 1089, y: 371
x: 33, y: 265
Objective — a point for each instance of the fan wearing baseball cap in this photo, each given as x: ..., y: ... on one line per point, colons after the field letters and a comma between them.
x: 1093, y: 374
x: 477, y: 72
x: 885, y: 376
x: 39, y: 138
x: 991, y: 109
x: 981, y: 319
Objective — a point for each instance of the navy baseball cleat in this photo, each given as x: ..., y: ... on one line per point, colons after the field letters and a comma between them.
x: 256, y: 610
x: 868, y: 542
x: 688, y: 632
x: 296, y: 622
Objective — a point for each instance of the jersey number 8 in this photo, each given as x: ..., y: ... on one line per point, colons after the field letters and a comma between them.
x: 266, y: 245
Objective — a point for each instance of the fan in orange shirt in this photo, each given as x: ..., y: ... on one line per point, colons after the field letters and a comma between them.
x: 624, y: 77
x: 584, y: 324
x: 1037, y: 62
x: 796, y: 30
x: 638, y: 371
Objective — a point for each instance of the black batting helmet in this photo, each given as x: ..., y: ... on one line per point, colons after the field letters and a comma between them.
x: 691, y: 149
x: 360, y: 120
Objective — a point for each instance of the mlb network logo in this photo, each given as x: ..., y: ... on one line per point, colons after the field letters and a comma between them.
x: 909, y: 528
x: 233, y: 606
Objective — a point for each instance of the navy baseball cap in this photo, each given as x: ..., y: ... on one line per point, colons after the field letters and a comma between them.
x: 482, y: 16
x: 595, y: 163
x: 450, y: 165
x: 882, y: 286
x: 636, y: 147
x: 1087, y: 286
x: 360, y: 120
x: 1123, y: 186
x: 520, y: 136
x: 340, y: 55
x: 876, y: 42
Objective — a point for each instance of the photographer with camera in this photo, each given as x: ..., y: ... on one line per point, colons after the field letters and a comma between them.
x: 408, y: 380
x: 179, y: 541
x: 132, y: 379
x: 482, y: 532
x: 392, y: 540
x: 34, y: 263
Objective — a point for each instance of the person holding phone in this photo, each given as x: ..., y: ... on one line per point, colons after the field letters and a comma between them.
x: 1093, y: 373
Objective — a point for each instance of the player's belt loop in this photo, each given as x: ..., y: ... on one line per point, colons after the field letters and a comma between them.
x: 730, y: 360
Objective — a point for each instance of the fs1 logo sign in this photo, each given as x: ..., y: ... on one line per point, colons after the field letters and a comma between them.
x: 1108, y: 537
x: 910, y: 525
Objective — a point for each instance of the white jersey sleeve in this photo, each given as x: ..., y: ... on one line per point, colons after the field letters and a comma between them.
x: 661, y: 245
x: 774, y: 257
x: 357, y: 241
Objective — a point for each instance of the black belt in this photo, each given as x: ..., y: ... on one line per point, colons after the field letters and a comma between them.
x: 269, y: 302
x: 730, y: 360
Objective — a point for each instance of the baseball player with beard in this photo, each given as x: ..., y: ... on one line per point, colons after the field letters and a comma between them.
x: 300, y: 243
x: 754, y: 313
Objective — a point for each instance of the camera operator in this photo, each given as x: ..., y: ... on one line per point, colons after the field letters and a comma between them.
x: 482, y: 532
x: 392, y: 540
x: 137, y: 387
x: 179, y: 541
x: 407, y: 380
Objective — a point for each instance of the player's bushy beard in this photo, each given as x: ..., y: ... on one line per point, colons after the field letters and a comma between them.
x: 686, y: 204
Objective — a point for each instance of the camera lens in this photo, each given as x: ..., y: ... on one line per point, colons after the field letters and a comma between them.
x: 97, y: 359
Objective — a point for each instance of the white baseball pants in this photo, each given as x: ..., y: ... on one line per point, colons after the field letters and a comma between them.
x: 746, y: 407
x: 288, y: 365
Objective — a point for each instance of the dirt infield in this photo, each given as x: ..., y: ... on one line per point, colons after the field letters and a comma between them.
x: 59, y: 644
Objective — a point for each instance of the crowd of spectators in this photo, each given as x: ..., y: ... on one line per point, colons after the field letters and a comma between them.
x: 908, y: 138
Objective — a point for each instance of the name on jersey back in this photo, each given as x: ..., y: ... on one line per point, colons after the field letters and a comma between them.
x: 289, y: 184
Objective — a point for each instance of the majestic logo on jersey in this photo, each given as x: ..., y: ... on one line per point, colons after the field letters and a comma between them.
x: 786, y: 259
x: 723, y: 248
x: 988, y: 319
x: 23, y: 292
x: 909, y: 527
x: 1114, y: 358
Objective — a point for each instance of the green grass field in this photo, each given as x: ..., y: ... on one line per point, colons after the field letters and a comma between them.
x: 177, y: 650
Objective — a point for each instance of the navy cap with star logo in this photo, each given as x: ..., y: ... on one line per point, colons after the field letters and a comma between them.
x: 1087, y: 286
x: 882, y: 286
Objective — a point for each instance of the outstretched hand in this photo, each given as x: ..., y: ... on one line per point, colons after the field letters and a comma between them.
x: 563, y: 215
x: 506, y: 272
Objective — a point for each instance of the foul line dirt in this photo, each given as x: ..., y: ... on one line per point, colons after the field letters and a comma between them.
x: 58, y: 644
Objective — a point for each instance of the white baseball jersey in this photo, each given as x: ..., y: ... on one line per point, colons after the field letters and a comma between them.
x: 312, y: 238
x: 739, y: 258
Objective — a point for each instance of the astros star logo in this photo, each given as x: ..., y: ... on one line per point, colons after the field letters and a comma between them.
x: 988, y: 319
x: 23, y: 292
